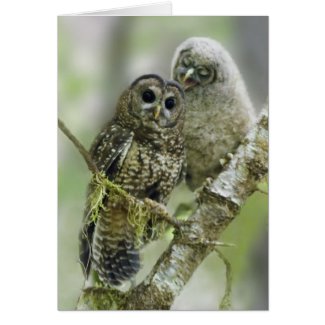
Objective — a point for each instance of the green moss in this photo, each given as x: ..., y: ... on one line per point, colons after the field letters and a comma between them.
x: 138, y: 214
x: 100, y: 299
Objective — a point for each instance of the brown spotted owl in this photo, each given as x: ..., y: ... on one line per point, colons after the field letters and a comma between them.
x: 218, y: 109
x: 142, y: 150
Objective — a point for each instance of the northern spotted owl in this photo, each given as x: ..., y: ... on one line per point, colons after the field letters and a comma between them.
x: 218, y: 109
x: 141, y: 150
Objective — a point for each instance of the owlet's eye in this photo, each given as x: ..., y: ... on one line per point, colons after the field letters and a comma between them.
x: 203, y: 72
x: 148, y: 96
x: 186, y: 61
x: 170, y: 102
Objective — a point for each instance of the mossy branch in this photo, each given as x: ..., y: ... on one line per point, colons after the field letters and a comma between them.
x: 219, y: 202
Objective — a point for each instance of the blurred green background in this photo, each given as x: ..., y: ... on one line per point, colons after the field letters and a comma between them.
x: 98, y: 57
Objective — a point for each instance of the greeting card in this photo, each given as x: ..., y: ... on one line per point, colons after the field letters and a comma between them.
x: 163, y: 161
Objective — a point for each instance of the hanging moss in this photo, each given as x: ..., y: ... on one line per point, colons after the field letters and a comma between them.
x: 139, y: 215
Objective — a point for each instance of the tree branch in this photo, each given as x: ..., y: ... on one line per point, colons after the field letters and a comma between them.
x: 85, y: 154
x: 220, y: 200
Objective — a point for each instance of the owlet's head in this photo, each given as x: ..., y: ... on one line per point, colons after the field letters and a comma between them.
x: 153, y: 103
x: 200, y: 62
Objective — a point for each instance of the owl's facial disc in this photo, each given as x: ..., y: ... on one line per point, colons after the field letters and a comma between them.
x: 155, y: 103
x: 191, y: 73
x: 159, y: 108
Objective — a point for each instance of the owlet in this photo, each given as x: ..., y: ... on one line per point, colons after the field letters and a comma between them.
x: 218, y: 109
x: 142, y: 150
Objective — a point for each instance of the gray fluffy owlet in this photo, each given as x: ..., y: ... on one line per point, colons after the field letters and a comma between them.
x: 218, y: 109
x: 142, y: 150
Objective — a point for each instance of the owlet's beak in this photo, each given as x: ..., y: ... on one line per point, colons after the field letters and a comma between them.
x: 188, y: 78
x: 188, y: 74
x: 156, y: 112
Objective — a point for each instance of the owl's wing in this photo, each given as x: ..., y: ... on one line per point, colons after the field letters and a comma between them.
x: 182, y: 171
x: 111, y: 142
x: 108, y: 147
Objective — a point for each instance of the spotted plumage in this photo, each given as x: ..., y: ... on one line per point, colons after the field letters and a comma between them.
x: 142, y: 150
x: 218, y: 109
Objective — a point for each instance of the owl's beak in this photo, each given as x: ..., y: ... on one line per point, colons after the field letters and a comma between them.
x: 190, y: 79
x: 188, y: 74
x: 156, y: 112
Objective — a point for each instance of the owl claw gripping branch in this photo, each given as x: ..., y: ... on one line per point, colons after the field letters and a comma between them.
x: 142, y: 151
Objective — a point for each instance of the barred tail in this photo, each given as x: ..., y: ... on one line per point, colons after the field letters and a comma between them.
x: 118, y: 264
x: 115, y: 257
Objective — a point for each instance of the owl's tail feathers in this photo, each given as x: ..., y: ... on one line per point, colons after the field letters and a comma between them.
x: 85, y: 239
x: 119, y: 264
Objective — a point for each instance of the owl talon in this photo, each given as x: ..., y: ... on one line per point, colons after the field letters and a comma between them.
x: 222, y: 162
x: 208, y: 182
x: 229, y: 155
x: 205, y: 185
x: 226, y: 160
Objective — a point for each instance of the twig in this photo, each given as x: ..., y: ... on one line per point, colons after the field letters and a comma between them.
x: 225, y: 303
x: 262, y: 191
x: 85, y: 154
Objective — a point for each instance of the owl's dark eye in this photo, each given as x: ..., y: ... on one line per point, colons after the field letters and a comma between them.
x: 170, y: 102
x: 203, y: 72
x: 186, y: 61
x: 148, y: 96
